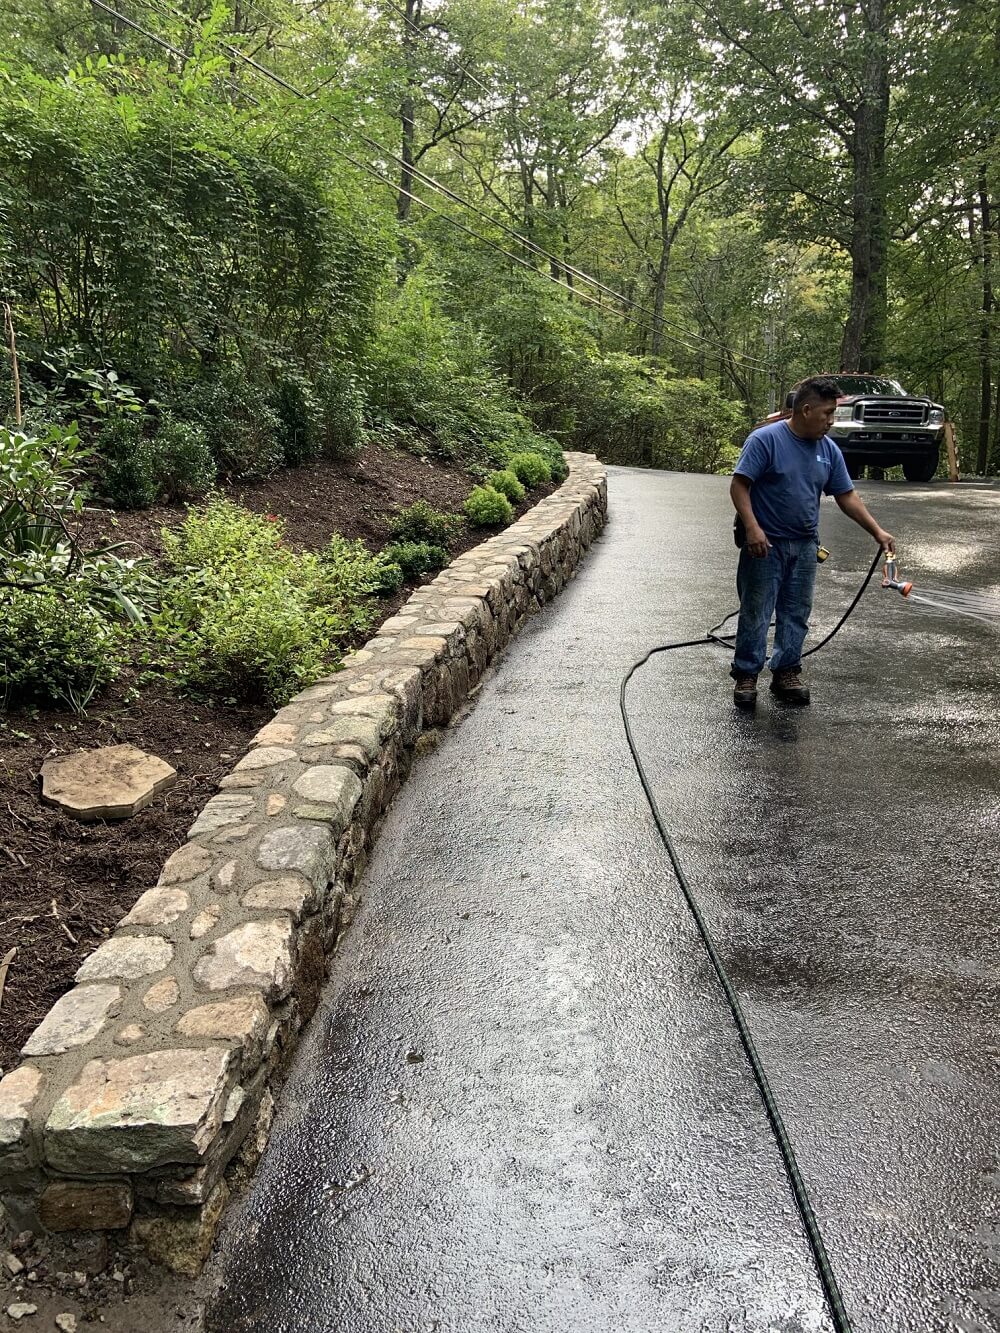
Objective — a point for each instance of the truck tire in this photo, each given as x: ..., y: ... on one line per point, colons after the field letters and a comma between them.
x: 921, y: 469
x: 854, y: 468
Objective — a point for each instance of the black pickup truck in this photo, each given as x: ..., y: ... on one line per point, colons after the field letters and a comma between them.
x: 878, y: 424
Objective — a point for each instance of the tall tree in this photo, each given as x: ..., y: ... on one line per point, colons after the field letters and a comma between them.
x: 822, y: 79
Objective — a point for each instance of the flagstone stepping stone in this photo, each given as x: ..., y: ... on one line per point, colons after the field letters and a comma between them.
x: 112, y: 782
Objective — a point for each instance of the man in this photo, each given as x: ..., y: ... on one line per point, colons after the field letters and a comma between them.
x: 781, y: 474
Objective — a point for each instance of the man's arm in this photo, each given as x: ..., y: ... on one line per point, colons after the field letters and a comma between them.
x: 854, y: 507
x: 739, y: 490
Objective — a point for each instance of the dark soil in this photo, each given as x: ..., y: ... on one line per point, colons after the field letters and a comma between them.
x: 357, y: 499
x: 65, y: 884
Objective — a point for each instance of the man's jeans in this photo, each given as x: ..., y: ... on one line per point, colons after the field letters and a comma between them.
x: 781, y: 583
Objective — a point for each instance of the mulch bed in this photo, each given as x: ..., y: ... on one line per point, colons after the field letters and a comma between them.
x: 64, y: 885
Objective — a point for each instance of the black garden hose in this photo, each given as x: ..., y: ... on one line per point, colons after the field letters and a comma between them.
x: 824, y: 1268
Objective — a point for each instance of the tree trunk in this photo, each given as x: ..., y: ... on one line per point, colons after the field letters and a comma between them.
x: 863, y: 347
x: 407, y: 111
x: 659, y: 299
x: 985, y: 366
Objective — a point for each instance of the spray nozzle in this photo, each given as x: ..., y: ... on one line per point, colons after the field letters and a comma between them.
x: 891, y: 579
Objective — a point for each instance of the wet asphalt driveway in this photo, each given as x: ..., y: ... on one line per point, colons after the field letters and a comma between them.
x: 522, y: 1106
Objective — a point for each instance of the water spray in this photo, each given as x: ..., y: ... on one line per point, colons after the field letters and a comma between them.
x: 980, y: 606
x: 950, y: 601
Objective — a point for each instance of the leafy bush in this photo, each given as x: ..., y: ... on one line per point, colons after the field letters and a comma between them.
x: 556, y: 460
x: 487, y: 508
x: 349, y: 575
x: 40, y: 478
x: 185, y: 468
x: 630, y: 412
x: 55, y: 646
x: 67, y: 382
x: 531, y: 469
x: 506, y: 483
x: 243, y: 616
x: 40, y: 498
x: 431, y: 376
x: 244, y: 433
x: 416, y: 558
x: 342, y: 413
x: 127, y: 471
x: 390, y: 577
x: 301, y: 417
x: 421, y: 522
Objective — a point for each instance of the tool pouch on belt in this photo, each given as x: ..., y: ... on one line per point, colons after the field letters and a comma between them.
x: 739, y: 532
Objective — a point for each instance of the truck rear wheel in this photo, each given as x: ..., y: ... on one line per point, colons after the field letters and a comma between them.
x: 921, y: 469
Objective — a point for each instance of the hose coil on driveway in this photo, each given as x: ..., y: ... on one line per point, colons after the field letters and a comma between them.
x: 814, y: 1236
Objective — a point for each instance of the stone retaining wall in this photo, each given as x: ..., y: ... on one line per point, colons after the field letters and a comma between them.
x: 147, y: 1086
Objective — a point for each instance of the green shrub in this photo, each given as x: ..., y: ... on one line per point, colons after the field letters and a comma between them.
x: 342, y: 413
x: 301, y: 417
x: 185, y: 468
x: 390, y: 577
x: 487, y: 508
x: 629, y: 412
x: 243, y: 616
x: 243, y: 431
x: 55, y: 647
x: 556, y: 460
x: 531, y: 469
x: 421, y: 522
x: 349, y: 576
x: 127, y: 465
x: 416, y: 558
x: 506, y: 483
x: 433, y: 378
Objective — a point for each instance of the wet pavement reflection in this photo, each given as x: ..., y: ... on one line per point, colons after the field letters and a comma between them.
x: 521, y: 1105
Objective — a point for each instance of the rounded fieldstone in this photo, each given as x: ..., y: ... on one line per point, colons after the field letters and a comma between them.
x: 18, y: 1092
x: 162, y: 995
x: 258, y: 954
x: 244, y: 1019
x: 188, y: 862
x: 333, y: 784
x: 126, y: 957
x: 221, y: 812
x: 303, y: 847
x: 74, y: 1019
x: 158, y: 907
x: 205, y: 921
x: 365, y: 732
x: 265, y: 757
x: 288, y: 894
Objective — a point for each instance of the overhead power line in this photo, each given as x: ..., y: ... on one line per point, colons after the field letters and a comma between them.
x: 756, y: 363
x: 432, y: 183
x: 368, y: 167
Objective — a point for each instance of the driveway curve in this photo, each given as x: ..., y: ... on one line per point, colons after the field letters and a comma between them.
x: 521, y: 1105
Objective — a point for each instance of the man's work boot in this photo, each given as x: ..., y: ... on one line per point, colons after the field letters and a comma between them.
x: 745, y: 691
x: 787, y: 685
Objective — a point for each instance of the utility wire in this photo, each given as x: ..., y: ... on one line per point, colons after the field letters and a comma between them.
x: 370, y: 169
x: 755, y: 363
x: 444, y: 190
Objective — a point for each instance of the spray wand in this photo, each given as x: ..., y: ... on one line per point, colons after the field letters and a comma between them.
x: 890, y: 576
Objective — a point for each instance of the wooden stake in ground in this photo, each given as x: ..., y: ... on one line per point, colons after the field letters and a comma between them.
x: 949, y: 436
x: 8, y: 958
x: 8, y: 323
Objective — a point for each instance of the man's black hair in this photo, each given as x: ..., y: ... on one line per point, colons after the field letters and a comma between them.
x: 816, y: 389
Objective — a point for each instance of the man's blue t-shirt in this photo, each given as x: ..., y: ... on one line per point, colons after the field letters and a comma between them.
x: 789, y: 475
